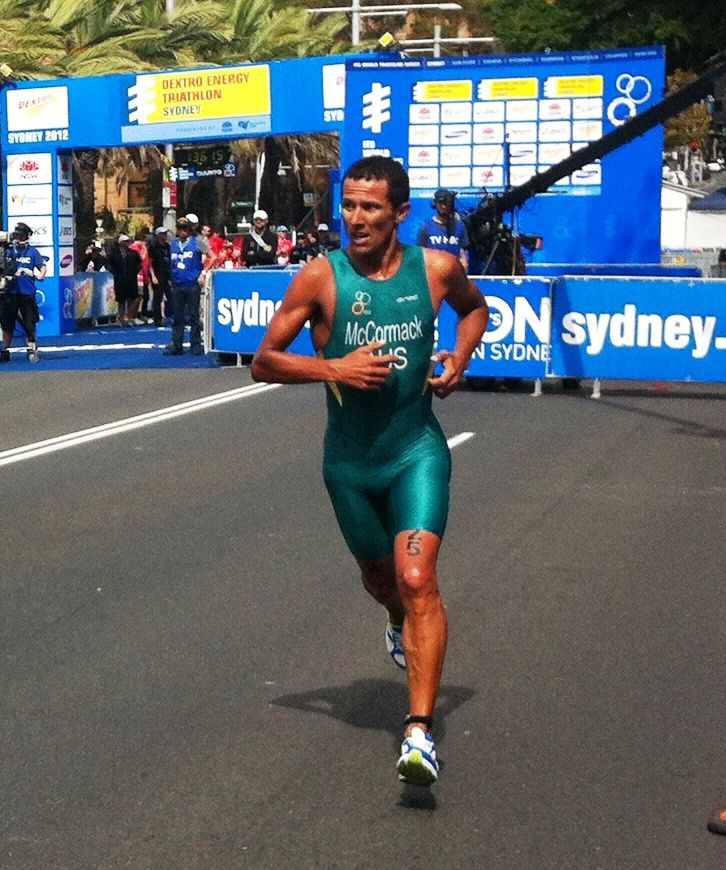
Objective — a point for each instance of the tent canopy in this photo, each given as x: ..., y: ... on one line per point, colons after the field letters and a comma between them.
x: 715, y: 201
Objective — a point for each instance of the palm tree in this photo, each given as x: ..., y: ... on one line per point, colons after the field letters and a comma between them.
x: 92, y: 37
x: 28, y: 43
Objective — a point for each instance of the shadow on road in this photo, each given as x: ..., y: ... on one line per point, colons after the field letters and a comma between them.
x: 379, y: 705
x: 376, y: 704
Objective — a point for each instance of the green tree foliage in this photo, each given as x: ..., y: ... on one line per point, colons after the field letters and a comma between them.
x: 691, y: 35
x: 691, y: 125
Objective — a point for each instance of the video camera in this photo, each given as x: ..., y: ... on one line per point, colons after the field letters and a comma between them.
x: 8, y: 265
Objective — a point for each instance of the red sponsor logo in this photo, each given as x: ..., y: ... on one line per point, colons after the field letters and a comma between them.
x: 29, y: 166
x: 423, y: 153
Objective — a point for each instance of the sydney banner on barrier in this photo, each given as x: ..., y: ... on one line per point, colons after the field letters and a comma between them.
x: 516, y: 342
x: 243, y: 304
x: 639, y: 328
x: 624, y: 328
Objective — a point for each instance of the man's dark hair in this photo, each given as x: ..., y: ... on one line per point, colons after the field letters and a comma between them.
x: 379, y: 168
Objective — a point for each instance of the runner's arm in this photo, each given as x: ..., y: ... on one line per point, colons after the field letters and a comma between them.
x: 273, y: 362
x: 467, y: 301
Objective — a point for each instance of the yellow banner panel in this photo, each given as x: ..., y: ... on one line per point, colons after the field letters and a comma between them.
x: 206, y: 94
x: 508, y: 89
x: 574, y: 86
x: 442, y: 92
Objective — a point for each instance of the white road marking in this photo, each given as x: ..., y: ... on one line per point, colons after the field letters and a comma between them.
x: 455, y: 440
x: 106, y: 430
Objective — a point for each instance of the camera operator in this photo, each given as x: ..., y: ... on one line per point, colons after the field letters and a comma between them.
x: 445, y: 231
x: 18, y: 301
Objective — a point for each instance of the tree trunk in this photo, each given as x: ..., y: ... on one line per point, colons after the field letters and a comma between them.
x: 84, y: 165
x: 270, y: 183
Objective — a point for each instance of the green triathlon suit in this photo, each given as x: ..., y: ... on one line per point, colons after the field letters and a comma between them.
x: 386, y: 462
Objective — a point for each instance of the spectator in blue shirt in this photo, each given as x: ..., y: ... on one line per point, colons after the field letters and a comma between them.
x: 18, y: 301
x: 445, y: 231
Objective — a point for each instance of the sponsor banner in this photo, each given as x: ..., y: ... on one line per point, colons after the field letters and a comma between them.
x: 638, y: 328
x: 41, y: 110
x: 334, y: 86
x: 65, y: 200
x: 30, y: 169
x: 93, y: 296
x: 243, y: 303
x: 66, y: 230
x: 29, y: 199
x: 42, y: 227
x: 209, y: 96
x: 66, y: 261
x: 200, y: 94
x: 516, y: 342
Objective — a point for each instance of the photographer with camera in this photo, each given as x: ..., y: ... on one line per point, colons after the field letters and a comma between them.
x: 18, y: 300
x: 445, y: 231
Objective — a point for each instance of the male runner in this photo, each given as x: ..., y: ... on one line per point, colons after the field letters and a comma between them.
x: 386, y: 462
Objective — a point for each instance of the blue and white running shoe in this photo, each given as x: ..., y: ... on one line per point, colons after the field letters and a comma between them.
x: 417, y: 764
x: 394, y: 644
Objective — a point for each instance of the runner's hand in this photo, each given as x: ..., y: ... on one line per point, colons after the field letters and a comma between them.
x: 452, y: 375
x: 364, y: 368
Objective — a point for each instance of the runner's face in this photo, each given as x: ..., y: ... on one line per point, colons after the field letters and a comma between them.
x: 370, y: 219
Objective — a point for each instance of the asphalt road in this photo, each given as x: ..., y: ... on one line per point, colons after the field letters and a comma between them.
x: 193, y: 678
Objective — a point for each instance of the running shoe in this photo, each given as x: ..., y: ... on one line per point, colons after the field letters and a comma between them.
x: 33, y: 356
x: 4, y: 356
x: 417, y: 764
x: 394, y: 644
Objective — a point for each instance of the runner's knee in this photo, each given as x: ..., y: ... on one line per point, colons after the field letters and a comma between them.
x: 417, y: 581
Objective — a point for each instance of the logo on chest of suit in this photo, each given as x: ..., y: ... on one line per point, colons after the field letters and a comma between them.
x: 361, y: 303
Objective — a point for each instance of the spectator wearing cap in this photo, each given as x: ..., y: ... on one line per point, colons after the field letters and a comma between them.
x: 188, y: 256
x: 160, y: 274
x: 445, y: 231
x: 94, y: 259
x: 27, y: 265
x: 260, y: 244
x: 325, y: 241
x: 125, y: 264
x: 284, y: 245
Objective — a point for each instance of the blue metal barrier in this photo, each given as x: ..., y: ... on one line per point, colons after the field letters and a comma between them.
x: 666, y: 329
x: 633, y: 270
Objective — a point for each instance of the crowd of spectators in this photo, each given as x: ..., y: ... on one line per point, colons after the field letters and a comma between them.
x: 143, y: 268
